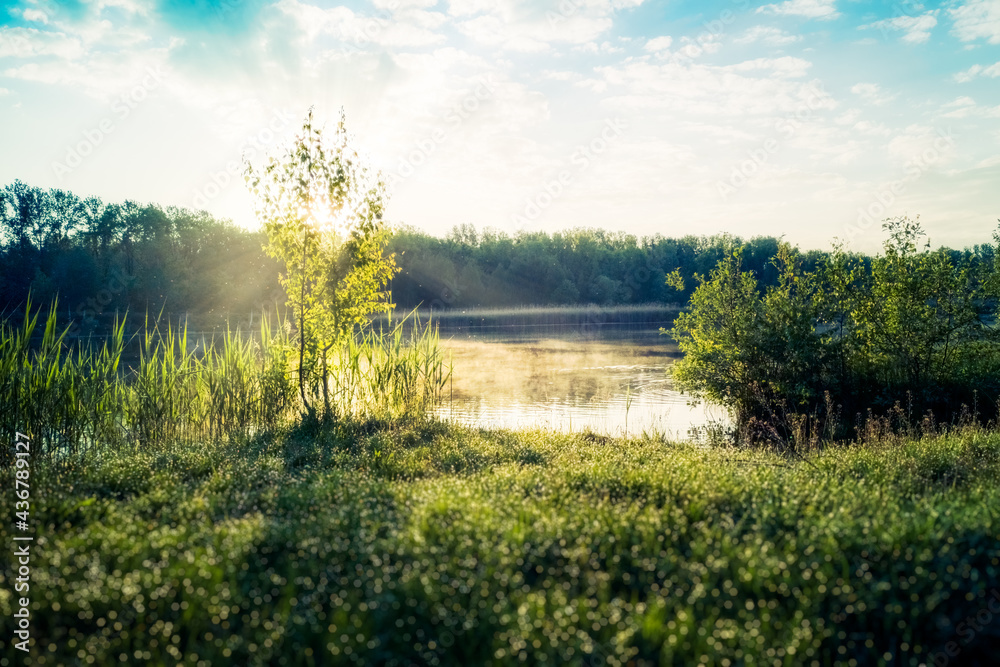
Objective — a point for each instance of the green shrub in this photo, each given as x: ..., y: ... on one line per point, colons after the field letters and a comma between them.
x: 911, y: 327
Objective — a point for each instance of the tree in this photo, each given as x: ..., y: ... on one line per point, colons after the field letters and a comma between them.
x: 321, y: 207
x: 754, y: 351
x: 714, y: 334
x: 916, y: 310
x: 21, y: 210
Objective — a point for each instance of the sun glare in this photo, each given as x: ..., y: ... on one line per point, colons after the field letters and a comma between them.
x: 322, y: 218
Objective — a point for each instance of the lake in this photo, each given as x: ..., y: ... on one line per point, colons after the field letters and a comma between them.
x: 611, y: 380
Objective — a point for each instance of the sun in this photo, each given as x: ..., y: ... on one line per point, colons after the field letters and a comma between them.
x: 323, y: 217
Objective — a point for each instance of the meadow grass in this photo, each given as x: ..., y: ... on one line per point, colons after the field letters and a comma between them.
x: 416, y: 542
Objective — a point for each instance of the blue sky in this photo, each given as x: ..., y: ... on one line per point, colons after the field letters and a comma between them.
x: 811, y: 119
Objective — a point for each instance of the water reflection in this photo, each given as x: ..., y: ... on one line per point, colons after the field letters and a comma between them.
x: 570, y: 384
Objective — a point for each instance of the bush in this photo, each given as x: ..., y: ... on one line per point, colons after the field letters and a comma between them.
x: 911, y: 326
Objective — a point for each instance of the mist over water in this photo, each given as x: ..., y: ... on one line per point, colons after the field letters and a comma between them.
x: 611, y: 380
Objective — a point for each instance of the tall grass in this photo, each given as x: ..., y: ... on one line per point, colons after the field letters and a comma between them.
x: 396, y: 373
x: 71, y: 397
x: 60, y: 397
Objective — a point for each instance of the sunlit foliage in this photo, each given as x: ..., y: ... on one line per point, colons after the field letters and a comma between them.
x: 321, y: 207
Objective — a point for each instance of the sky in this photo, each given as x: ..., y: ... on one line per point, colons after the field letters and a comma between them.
x: 809, y: 119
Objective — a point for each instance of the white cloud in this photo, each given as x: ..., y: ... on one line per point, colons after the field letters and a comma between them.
x: 315, y: 21
x: 605, y: 47
x: 690, y: 49
x: 469, y: 7
x: 915, y: 29
x: 402, y: 35
x: 405, y: 27
x: 966, y: 107
x: 404, y: 4
x: 597, y: 86
x: 31, y: 43
x: 785, y: 66
x: 872, y: 93
x: 849, y: 117
x: 523, y: 25
x: 560, y: 75
x: 870, y: 128
x: 140, y: 7
x: 659, y: 43
x: 767, y: 35
x: 104, y: 77
x: 733, y: 93
x: 491, y: 31
x: 993, y: 71
x: 811, y: 9
x: 963, y: 101
x: 35, y: 15
x: 84, y: 52
x: 923, y: 146
x: 967, y: 75
x: 976, y: 19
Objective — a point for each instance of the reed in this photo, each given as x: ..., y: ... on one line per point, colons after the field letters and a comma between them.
x: 72, y: 397
x: 63, y: 399
x: 389, y: 374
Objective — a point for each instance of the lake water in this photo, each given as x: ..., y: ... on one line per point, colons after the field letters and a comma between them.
x: 612, y: 383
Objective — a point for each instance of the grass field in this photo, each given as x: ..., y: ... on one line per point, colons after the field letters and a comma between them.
x: 422, y: 543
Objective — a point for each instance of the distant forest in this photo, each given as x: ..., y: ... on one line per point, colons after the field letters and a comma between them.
x: 100, y: 258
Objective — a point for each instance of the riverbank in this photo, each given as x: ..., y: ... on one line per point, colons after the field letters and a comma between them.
x: 435, y: 544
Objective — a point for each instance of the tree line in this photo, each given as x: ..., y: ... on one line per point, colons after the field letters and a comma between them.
x: 489, y: 268
x: 101, y: 258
